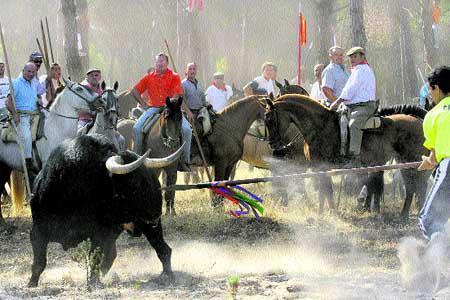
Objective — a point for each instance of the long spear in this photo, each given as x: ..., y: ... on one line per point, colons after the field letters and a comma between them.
x: 13, y: 98
x: 334, y: 172
x: 194, y: 130
x: 44, y: 41
x: 49, y: 40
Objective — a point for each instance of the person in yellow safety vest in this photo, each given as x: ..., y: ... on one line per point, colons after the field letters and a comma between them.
x: 436, y: 127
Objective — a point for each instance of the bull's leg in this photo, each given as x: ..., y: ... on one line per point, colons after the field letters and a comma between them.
x: 109, y: 254
x: 154, y: 235
x: 39, y: 242
x: 169, y: 196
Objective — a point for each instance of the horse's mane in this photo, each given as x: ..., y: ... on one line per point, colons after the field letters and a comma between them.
x: 297, y: 99
x: 235, y: 105
x: 406, y: 109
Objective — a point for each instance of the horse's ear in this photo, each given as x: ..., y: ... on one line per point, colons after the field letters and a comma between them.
x: 286, y: 82
x: 278, y: 84
x: 269, y: 103
x: 116, y: 86
x: 272, y: 98
x: 167, y: 101
x: 103, y: 85
x: 180, y: 101
x: 67, y: 81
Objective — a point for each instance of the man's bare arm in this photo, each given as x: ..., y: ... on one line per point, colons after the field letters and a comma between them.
x: 12, y: 109
x: 138, y: 98
x: 329, y: 93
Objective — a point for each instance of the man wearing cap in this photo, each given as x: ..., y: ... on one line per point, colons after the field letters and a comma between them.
x: 334, y: 76
x: 25, y: 93
x: 264, y: 84
x: 92, y: 84
x: 219, y: 94
x: 159, y: 84
x: 4, y: 90
x: 359, y: 96
x: 36, y: 58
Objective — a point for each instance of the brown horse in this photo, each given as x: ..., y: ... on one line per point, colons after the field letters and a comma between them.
x: 224, y: 146
x: 401, y: 137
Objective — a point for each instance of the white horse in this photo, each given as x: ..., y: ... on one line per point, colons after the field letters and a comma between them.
x: 60, y: 123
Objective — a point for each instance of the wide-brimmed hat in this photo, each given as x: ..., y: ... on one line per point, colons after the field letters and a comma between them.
x: 218, y: 75
x: 93, y: 70
x: 355, y: 50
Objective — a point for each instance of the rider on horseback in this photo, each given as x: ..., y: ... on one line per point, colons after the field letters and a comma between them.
x: 26, y: 95
x: 359, y: 96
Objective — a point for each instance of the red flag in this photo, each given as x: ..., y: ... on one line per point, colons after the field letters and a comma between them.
x: 303, y: 31
x: 198, y: 4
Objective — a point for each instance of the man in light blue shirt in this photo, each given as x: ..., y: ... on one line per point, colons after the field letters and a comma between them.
x: 334, y: 76
x: 25, y: 93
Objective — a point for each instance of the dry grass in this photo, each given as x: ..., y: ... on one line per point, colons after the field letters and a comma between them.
x: 289, y: 253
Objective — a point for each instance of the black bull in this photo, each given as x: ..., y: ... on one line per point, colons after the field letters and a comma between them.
x: 75, y: 198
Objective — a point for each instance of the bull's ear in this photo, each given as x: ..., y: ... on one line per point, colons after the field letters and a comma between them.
x: 103, y: 85
x: 116, y: 86
x: 167, y: 101
x: 278, y: 84
x: 286, y: 82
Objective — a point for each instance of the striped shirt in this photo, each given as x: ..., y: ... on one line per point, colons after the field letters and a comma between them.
x: 4, y: 90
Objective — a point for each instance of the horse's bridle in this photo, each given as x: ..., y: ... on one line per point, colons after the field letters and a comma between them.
x: 109, y: 105
x: 89, y: 102
x: 168, y: 141
x: 275, y: 136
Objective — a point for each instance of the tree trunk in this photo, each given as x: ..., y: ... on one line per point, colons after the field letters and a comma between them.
x: 83, y: 30
x: 326, y: 18
x: 73, y: 61
x: 357, y: 23
x: 396, y: 88
x: 410, y: 78
x: 431, y: 56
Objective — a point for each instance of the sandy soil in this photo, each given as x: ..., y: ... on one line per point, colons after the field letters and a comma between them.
x: 312, y: 259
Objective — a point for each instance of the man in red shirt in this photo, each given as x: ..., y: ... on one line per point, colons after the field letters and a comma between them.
x: 159, y: 84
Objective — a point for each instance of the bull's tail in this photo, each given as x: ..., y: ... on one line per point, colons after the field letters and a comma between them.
x: 17, y: 184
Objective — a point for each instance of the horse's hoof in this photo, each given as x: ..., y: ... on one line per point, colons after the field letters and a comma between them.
x: 166, y: 278
x: 32, y: 283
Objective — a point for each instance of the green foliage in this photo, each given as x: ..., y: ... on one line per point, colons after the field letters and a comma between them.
x: 89, y: 260
x: 222, y: 65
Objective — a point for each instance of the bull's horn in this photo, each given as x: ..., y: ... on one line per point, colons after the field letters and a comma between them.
x: 115, y: 164
x: 157, y: 163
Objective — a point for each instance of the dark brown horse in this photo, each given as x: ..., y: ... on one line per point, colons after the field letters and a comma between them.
x: 224, y: 146
x: 401, y: 137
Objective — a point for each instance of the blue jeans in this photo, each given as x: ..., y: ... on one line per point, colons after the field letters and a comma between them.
x: 186, y: 132
x: 25, y: 134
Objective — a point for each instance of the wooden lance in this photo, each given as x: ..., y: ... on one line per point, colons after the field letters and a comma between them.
x: 197, y: 140
x: 13, y: 100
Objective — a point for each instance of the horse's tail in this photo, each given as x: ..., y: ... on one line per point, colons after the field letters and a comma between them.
x: 406, y: 109
x: 17, y: 185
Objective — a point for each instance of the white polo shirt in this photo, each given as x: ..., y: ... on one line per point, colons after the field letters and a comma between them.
x: 361, y: 85
x: 218, y: 98
x: 4, y: 91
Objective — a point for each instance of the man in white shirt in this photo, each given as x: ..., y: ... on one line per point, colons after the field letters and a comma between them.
x: 359, y: 96
x: 316, y: 89
x: 4, y: 90
x: 218, y: 94
x: 264, y: 84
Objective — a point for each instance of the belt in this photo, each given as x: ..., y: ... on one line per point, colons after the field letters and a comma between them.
x: 362, y: 103
x: 27, y: 112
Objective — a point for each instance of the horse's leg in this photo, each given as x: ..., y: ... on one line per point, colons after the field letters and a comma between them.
x: 410, y: 179
x: 169, y: 196
x: 375, y: 188
x: 4, y: 176
x: 220, y: 171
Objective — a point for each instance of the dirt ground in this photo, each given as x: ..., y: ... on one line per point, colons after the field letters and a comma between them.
x: 291, y: 253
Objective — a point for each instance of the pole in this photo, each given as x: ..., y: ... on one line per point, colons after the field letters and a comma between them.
x: 13, y: 100
x: 40, y: 50
x: 335, y: 172
x: 44, y: 41
x: 49, y: 40
x: 299, y: 70
x: 197, y: 140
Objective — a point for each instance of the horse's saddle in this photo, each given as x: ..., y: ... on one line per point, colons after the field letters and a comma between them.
x: 374, y: 123
x: 9, y: 135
